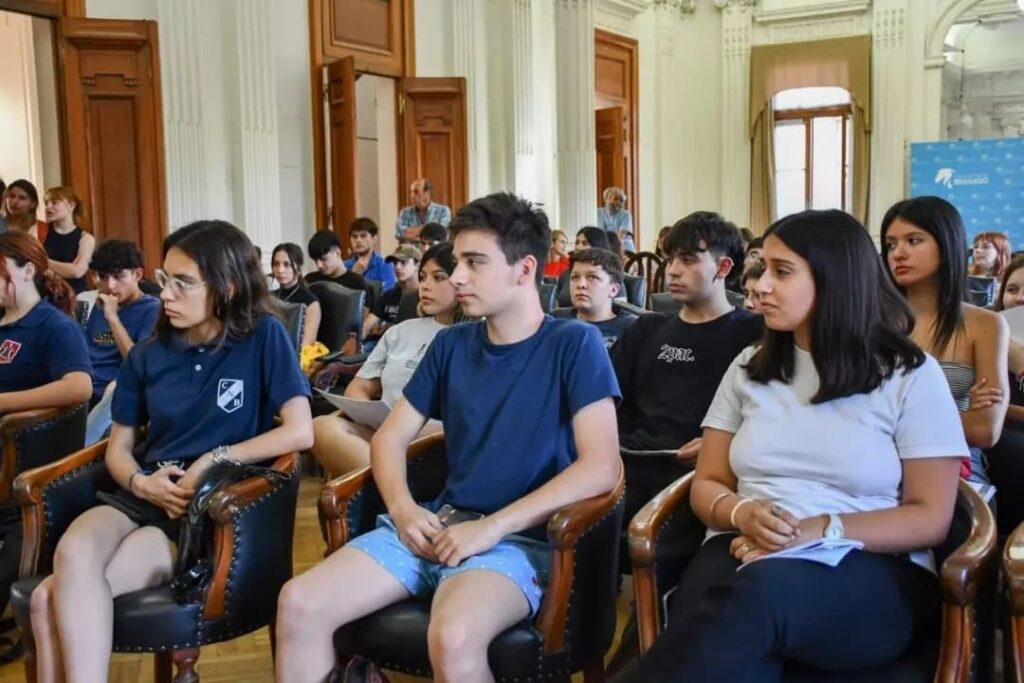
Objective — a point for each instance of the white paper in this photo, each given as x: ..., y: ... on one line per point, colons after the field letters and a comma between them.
x: 369, y: 413
x: 823, y: 550
x: 1015, y: 318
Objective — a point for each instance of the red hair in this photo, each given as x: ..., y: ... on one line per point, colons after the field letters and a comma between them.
x: 1002, y: 244
x: 22, y: 248
x: 67, y: 194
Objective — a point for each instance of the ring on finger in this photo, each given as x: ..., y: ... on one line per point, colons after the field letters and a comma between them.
x: 776, y: 510
x: 744, y: 547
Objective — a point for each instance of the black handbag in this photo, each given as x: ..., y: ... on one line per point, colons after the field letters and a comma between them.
x: 194, y: 568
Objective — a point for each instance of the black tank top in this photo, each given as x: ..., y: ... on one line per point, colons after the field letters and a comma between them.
x: 64, y: 248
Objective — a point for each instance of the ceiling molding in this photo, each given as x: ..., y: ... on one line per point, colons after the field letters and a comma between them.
x: 818, y: 11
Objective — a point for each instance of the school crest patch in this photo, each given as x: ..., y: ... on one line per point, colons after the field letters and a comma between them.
x: 230, y: 394
x: 8, y: 350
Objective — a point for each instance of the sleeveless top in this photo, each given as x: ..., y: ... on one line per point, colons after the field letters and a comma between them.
x: 961, y: 378
x: 64, y: 248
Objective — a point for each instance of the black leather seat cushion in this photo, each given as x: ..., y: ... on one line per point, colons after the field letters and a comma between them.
x: 396, y: 638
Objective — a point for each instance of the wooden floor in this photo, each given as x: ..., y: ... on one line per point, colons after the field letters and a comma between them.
x: 246, y: 659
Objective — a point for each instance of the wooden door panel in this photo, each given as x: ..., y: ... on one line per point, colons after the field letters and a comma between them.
x: 433, y: 121
x: 113, y: 128
x: 616, y: 83
x: 342, y: 134
x: 611, y: 159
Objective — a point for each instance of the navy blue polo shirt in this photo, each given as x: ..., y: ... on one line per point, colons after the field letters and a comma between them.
x: 138, y: 319
x: 195, y: 398
x: 508, y: 409
x: 40, y: 348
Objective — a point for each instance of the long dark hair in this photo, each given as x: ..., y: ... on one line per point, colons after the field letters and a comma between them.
x: 596, y: 237
x: 942, y: 221
x: 227, y: 262
x: 294, y: 254
x: 1016, y: 263
x: 22, y: 248
x: 859, y: 324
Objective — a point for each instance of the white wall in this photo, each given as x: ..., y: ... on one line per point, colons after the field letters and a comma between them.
x: 21, y: 155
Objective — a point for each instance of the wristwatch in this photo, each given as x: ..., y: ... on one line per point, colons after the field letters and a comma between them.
x: 834, y: 530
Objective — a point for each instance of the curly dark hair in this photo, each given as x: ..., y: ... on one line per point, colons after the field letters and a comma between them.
x: 114, y: 256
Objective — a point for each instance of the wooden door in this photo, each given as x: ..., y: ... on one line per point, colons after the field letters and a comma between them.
x: 112, y: 128
x: 611, y: 158
x: 341, y: 123
x: 433, y: 130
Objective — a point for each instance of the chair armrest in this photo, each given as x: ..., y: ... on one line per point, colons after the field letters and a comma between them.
x: 339, y: 496
x: 341, y: 357
x: 227, y: 507
x: 565, y: 529
x: 973, y: 561
x: 29, y: 491
x: 14, y: 425
x: 624, y: 305
x: 644, y: 531
x: 1013, y: 568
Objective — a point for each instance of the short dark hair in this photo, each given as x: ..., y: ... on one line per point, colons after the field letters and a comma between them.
x: 434, y: 232
x: 363, y: 224
x: 719, y: 236
x: 114, y: 256
x: 321, y: 243
x: 942, y: 221
x: 442, y: 255
x: 859, y: 323
x: 234, y: 276
x: 608, y: 260
x: 520, y: 225
x: 755, y: 271
x: 756, y: 243
x: 596, y: 237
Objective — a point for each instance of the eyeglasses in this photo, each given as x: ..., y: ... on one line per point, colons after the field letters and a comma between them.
x: 178, y: 286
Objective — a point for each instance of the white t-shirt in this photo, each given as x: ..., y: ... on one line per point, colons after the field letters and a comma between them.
x: 397, y: 355
x: 836, y: 457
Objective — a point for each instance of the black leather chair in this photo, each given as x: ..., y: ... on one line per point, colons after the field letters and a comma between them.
x: 293, y: 315
x: 564, y: 295
x: 253, y: 525
x: 32, y: 438
x: 649, y: 266
x: 634, y: 288
x: 966, y: 560
x: 576, y: 621
x: 547, y: 296
x: 374, y: 291
x: 341, y: 315
x: 662, y: 302
x: 408, y: 306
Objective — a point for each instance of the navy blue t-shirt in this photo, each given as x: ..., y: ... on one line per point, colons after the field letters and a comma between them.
x: 195, y: 398
x: 40, y: 348
x: 138, y: 319
x: 508, y: 409
x: 610, y: 330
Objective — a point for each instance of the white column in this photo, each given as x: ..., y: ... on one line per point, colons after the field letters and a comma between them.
x: 888, y: 132
x: 737, y: 21
x: 180, y: 55
x: 470, y: 55
x: 258, y: 205
x: 522, y: 98
x: 577, y: 153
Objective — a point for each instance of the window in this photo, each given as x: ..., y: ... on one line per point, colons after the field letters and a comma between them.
x: 813, y: 150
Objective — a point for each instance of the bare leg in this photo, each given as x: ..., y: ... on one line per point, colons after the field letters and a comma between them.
x: 340, y: 445
x: 346, y: 586
x: 460, y: 631
x: 102, y: 555
x: 49, y: 667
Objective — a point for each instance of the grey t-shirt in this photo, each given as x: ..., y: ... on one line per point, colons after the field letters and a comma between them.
x: 841, y: 456
x: 397, y: 355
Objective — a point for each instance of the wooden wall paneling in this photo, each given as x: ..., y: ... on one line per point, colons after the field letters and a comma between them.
x: 378, y: 35
x: 434, y: 137
x: 53, y: 9
x: 112, y: 142
x: 616, y: 84
x: 341, y: 106
x: 611, y: 167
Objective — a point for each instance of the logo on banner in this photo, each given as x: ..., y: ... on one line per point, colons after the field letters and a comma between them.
x: 947, y: 178
x: 230, y: 394
x: 8, y: 350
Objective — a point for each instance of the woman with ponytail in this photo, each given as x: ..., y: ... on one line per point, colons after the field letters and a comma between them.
x: 67, y: 243
x: 44, y: 362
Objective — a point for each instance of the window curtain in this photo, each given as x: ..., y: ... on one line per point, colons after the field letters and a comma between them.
x: 839, y: 62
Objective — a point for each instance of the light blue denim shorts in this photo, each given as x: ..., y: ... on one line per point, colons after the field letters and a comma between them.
x: 523, y: 560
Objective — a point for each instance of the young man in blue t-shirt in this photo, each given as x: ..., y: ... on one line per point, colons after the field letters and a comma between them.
x: 485, y: 380
x: 122, y: 316
x: 365, y: 259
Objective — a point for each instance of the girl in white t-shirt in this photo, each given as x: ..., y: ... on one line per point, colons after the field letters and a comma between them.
x: 837, y: 426
x: 341, y: 445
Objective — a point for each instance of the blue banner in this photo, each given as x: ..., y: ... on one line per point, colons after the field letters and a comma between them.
x: 983, y: 179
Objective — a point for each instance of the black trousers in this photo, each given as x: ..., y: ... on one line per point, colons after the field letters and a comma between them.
x: 726, y: 625
x: 1006, y: 470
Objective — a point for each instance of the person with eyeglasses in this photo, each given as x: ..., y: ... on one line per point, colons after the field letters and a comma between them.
x: 207, y: 388
x: 44, y: 362
x: 123, y: 316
